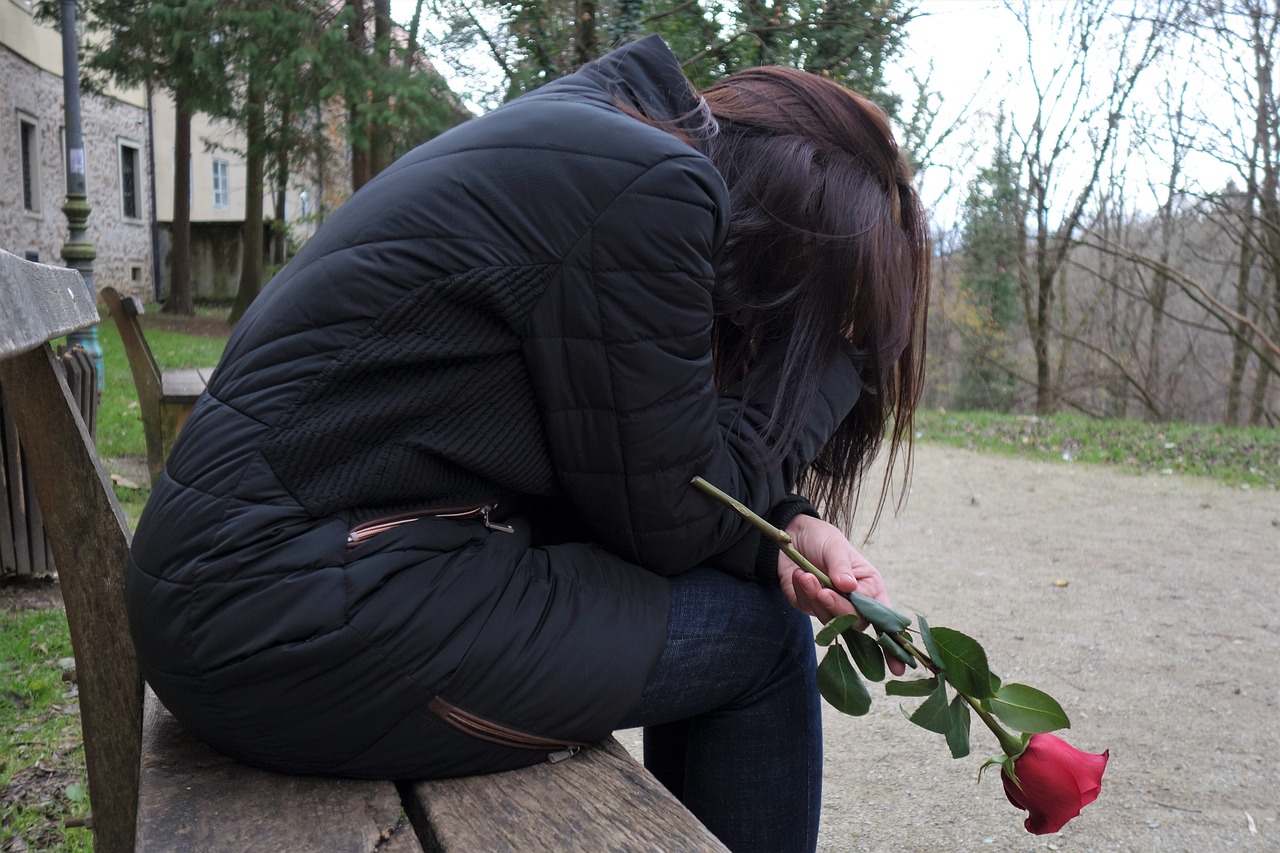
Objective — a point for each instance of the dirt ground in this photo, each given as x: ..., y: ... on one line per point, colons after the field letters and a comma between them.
x: 1148, y: 606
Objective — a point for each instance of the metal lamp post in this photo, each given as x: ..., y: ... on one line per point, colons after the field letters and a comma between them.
x: 77, y: 251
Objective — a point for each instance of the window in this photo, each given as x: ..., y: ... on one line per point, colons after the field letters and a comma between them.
x: 29, y: 151
x: 130, y: 180
x: 221, y: 189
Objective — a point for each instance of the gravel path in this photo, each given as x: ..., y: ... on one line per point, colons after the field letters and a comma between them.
x: 1146, y: 605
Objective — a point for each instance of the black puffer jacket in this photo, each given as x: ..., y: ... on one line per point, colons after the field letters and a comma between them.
x: 418, y: 524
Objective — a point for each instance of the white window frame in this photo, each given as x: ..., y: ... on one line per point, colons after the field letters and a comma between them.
x: 221, y: 184
x: 29, y: 160
x: 123, y: 143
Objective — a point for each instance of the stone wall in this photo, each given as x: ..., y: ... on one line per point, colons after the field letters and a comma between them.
x: 217, y: 253
x: 123, y: 246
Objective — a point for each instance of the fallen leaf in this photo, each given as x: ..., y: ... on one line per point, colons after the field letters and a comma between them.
x: 1060, y: 582
x: 124, y: 482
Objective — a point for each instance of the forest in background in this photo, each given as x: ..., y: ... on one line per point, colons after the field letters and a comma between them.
x: 1116, y: 251
x: 1096, y: 264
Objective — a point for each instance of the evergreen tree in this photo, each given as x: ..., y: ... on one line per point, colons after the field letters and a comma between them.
x: 535, y: 41
x: 993, y: 252
x: 177, y: 46
x: 292, y: 56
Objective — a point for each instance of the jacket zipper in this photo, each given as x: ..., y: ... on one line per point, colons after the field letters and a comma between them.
x: 491, y: 732
x: 363, y: 532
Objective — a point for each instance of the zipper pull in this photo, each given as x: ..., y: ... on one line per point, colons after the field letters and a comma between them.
x: 563, y: 755
x: 495, y: 525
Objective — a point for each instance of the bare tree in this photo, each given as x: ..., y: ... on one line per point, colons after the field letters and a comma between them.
x: 1240, y: 38
x: 1063, y: 144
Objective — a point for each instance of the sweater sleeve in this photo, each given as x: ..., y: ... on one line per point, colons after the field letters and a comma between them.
x: 619, y: 351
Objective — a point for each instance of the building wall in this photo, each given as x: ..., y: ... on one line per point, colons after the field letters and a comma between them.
x: 31, y: 94
x: 31, y: 88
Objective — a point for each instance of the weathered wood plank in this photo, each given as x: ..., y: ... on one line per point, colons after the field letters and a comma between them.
x: 165, y: 398
x: 182, y: 386
x: 91, y: 545
x: 600, y: 800
x: 146, y: 375
x: 40, y: 303
x: 195, y: 799
x: 13, y: 532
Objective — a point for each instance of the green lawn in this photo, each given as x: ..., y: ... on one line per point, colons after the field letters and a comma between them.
x: 1237, y: 456
x: 119, y: 432
x: 42, y: 773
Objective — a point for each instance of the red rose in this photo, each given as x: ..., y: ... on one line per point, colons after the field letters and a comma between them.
x: 1055, y: 781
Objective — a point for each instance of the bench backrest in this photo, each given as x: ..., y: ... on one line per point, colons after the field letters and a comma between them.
x: 85, y: 526
x: 124, y: 310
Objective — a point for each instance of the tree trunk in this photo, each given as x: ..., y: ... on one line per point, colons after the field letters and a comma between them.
x: 280, y: 230
x: 1240, y: 336
x: 1046, y: 398
x: 181, y: 299
x: 586, y: 45
x: 251, y: 263
x: 361, y: 164
x: 411, y: 53
x: 381, y: 150
x: 1159, y: 295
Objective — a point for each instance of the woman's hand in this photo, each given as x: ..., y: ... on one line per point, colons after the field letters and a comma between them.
x: 830, y: 551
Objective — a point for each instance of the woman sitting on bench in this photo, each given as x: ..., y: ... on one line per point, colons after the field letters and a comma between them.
x: 434, y: 517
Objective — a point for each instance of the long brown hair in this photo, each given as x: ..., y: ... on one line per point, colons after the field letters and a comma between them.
x: 827, y: 247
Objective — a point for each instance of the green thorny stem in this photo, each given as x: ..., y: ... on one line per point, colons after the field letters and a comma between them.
x: 1010, y: 745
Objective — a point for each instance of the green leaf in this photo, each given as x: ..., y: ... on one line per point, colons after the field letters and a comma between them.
x: 891, y: 647
x: 76, y: 793
x: 964, y: 662
x: 1028, y: 710
x: 866, y: 654
x: 934, y: 714
x: 835, y: 628
x: 958, y: 734
x: 911, y: 687
x: 926, y: 634
x: 885, y: 618
x: 839, y: 684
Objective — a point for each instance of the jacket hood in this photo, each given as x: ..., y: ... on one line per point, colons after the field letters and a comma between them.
x: 646, y: 76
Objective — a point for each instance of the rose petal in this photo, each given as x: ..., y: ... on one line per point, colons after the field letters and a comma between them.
x: 1055, y: 781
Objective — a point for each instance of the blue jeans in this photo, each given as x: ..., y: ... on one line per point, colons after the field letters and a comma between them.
x: 732, y: 719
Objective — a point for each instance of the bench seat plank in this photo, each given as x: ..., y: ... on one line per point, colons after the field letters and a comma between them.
x: 600, y: 800
x: 183, y: 386
x: 194, y: 798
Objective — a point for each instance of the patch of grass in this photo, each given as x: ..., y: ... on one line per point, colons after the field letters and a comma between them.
x: 119, y: 430
x: 42, y: 775
x: 119, y: 419
x: 1238, y: 456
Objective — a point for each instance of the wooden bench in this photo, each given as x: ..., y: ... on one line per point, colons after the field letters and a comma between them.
x: 165, y: 397
x: 154, y: 787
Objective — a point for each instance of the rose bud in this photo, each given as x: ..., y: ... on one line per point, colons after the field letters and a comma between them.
x: 1054, y: 781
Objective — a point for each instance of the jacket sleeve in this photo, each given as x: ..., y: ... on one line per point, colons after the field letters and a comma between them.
x: 619, y: 351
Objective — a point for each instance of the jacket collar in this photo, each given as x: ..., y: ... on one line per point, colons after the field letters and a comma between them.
x: 644, y: 75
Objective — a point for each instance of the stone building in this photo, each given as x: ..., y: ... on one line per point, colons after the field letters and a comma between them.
x: 129, y: 153
x: 33, y: 162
